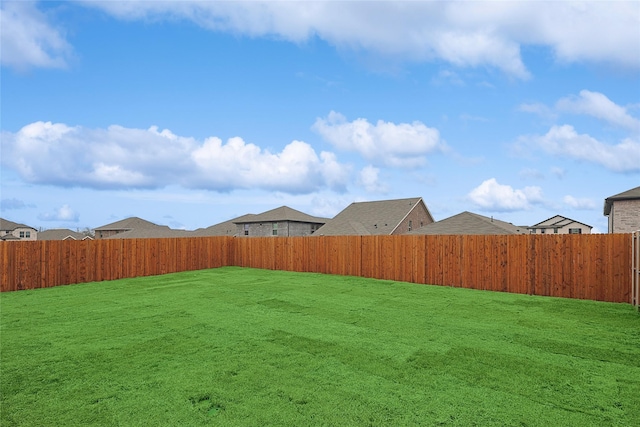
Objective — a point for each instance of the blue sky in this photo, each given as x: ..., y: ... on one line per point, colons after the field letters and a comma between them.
x: 188, y: 113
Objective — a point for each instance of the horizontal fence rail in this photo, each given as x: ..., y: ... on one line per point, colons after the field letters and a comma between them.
x: 596, y: 267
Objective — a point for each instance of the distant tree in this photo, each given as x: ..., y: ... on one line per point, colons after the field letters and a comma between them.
x: 87, y: 232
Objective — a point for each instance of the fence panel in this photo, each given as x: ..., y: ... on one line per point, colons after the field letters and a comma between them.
x: 36, y: 264
x: 599, y: 267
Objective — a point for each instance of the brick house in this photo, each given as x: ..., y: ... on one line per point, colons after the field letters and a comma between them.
x: 378, y: 218
x: 623, y: 211
x: 10, y: 230
x: 282, y: 221
x: 225, y: 228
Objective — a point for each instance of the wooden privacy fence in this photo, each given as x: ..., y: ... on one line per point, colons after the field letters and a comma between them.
x: 597, y: 266
x: 48, y: 263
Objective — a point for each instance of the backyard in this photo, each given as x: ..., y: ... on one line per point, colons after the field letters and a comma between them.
x: 237, y: 347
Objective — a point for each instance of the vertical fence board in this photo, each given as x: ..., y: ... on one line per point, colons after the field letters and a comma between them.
x: 621, y: 255
x: 9, y: 260
x: 53, y: 262
x: 419, y: 259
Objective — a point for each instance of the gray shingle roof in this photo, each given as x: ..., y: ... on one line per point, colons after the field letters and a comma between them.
x: 469, y: 223
x: 60, y: 234
x: 370, y: 218
x: 226, y: 228
x: 10, y: 225
x: 151, y: 233
x: 632, y: 194
x: 557, y: 221
x: 283, y: 213
x: 128, y: 224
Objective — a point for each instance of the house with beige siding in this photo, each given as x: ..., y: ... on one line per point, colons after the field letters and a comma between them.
x: 469, y: 223
x: 623, y: 211
x: 382, y: 217
x: 282, y: 221
x: 560, y: 225
x: 10, y: 230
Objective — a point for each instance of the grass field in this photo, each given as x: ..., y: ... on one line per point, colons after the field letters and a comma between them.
x: 244, y: 347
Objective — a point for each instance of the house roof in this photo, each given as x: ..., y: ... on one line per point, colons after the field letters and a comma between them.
x: 469, y: 223
x: 370, y: 218
x: 7, y: 225
x: 9, y: 237
x: 283, y: 213
x: 160, y: 231
x: 61, y: 234
x: 128, y: 224
x: 557, y: 221
x: 632, y: 194
x: 226, y: 228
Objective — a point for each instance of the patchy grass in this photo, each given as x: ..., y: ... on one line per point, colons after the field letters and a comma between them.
x: 240, y: 347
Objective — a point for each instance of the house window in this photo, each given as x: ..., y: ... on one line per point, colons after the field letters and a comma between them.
x: 275, y: 229
x: 543, y: 231
x: 22, y: 234
x: 27, y: 234
x: 532, y: 231
x: 575, y: 231
x: 555, y: 230
x: 410, y: 225
x: 246, y: 229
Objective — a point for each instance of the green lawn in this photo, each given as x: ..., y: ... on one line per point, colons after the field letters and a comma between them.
x: 246, y: 347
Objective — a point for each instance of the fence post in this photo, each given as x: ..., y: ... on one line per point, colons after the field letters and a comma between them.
x: 635, y: 269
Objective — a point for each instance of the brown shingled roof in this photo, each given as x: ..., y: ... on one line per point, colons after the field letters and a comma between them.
x: 370, y: 218
x: 10, y: 225
x: 61, y: 234
x: 283, y: 213
x: 128, y: 224
x: 469, y: 223
x: 151, y: 233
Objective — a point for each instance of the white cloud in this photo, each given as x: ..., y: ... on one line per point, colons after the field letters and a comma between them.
x: 465, y: 34
x: 565, y: 141
x: 370, y: 180
x: 597, y: 105
x: 492, y: 196
x: 579, y: 203
x: 63, y: 213
x: 297, y: 169
x: 119, y: 157
x: 29, y: 39
x: 401, y: 145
